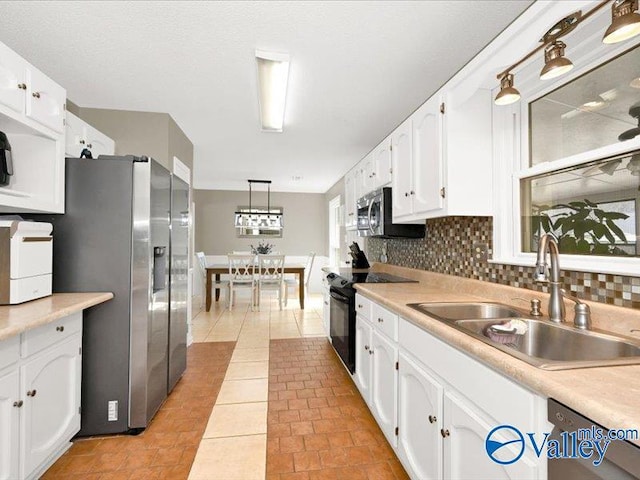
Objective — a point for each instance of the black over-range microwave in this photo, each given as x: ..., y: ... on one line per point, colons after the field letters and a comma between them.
x: 375, y: 218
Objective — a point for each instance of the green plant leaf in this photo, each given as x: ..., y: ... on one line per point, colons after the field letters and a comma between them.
x: 617, y: 230
x: 568, y: 245
x: 577, y: 205
x: 583, y: 247
x: 591, y: 204
x: 616, y: 215
x: 600, y: 249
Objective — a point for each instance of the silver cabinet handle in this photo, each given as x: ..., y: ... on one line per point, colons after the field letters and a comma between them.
x: 36, y: 94
x: 406, y: 194
x: 370, y: 352
x: 366, y: 347
x: 32, y: 393
x: 432, y: 419
x: 18, y: 404
x: 380, y: 320
x: 60, y: 328
x: 444, y: 433
x: 22, y: 86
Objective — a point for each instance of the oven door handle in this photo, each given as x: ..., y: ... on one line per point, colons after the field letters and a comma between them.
x: 339, y: 297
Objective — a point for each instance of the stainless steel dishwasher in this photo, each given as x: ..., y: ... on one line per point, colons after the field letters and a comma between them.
x: 621, y: 461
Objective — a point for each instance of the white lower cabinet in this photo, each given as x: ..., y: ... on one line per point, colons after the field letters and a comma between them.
x: 419, y: 420
x: 464, y: 446
x: 40, y: 399
x: 384, y: 384
x: 437, y: 405
x: 362, y: 376
x: 9, y: 425
x: 51, y: 416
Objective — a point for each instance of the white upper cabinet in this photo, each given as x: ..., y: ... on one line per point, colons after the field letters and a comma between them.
x: 401, y: 160
x: 449, y: 172
x: 426, y: 128
x: 80, y: 135
x: 32, y: 109
x: 13, y: 82
x: 382, y: 172
x: 350, y: 219
x: 45, y: 100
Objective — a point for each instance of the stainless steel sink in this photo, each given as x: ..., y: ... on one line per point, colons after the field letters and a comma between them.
x: 546, y: 345
x: 557, y: 347
x: 451, y: 311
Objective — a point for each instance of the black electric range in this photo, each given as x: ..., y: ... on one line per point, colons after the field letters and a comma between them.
x: 342, y: 317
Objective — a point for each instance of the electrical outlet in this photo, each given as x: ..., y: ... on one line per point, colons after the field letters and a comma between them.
x: 480, y: 252
x: 113, y: 410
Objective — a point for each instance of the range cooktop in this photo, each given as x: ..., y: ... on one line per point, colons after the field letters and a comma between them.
x: 345, y: 277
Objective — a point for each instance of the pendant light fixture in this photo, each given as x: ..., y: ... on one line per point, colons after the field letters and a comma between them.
x: 555, y: 63
x: 255, y: 218
x: 625, y: 22
x: 508, y: 93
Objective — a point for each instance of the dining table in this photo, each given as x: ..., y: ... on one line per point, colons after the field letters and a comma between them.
x: 221, y: 269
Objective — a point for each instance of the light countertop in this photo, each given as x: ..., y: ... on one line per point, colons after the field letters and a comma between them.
x: 607, y: 395
x: 15, y: 319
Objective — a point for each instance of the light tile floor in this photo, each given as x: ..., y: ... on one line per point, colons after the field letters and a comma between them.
x: 234, y: 444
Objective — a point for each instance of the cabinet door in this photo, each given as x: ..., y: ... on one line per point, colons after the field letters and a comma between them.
x: 350, y: 200
x: 369, y: 170
x: 74, y: 139
x: 382, y: 164
x: 51, y: 393
x: 326, y: 313
x: 465, y: 455
x: 384, y: 384
x: 419, y: 421
x: 12, y: 79
x: 427, y: 156
x: 98, y: 142
x: 359, y: 182
x: 401, y: 164
x: 9, y: 425
x: 362, y: 376
x: 45, y: 100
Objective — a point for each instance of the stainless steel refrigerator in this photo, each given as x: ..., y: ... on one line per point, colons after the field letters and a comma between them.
x: 116, y: 236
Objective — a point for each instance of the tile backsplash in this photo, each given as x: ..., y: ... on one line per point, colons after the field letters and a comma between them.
x: 449, y: 246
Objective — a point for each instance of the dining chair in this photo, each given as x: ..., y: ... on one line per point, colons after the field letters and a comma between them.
x: 293, y: 282
x: 241, y: 275
x: 215, y: 285
x: 271, y: 275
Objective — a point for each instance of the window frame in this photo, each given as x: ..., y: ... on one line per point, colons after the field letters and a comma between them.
x: 512, y: 150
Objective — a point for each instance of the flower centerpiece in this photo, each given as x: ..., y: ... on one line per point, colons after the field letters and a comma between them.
x: 262, y: 248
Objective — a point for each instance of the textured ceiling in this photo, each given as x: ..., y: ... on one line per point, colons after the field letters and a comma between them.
x: 357, y: 70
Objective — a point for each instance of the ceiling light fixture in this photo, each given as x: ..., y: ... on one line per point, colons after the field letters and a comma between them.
x: 555, y: 63
x: 508, y: 93
x: 273, y: 76
x: 625, y: 23
x: 258, y: 217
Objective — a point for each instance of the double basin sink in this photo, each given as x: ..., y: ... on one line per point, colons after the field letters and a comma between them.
x: 543, y: 344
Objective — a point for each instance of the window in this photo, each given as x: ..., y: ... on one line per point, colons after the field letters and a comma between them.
x: 568, y: 162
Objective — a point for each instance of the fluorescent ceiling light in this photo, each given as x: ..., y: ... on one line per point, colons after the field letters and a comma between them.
x: 273, y: 76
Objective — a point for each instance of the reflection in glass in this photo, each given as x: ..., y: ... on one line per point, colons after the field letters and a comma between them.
x: 593, y: 209
x: 590, y: 112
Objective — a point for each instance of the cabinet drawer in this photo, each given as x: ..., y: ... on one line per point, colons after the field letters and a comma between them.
x: 385, y: 321
x: 9, y: 351
x: 31, y: 256
x: 42, y: 337
x: 500, y: 398
x: 363, y: 306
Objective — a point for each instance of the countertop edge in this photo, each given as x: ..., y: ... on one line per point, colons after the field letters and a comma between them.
x: 17, y: 319
x: 599, y: 408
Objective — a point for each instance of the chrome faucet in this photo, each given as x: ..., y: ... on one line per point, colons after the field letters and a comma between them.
x: 549, y: 243
x: 582, y: 318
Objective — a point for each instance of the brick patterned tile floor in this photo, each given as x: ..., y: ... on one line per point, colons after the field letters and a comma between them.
x: 318, y: 425
x: 167, y: 448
